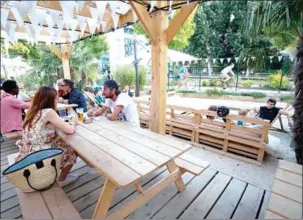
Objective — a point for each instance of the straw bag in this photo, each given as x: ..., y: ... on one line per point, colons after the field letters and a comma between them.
x: 37, y: 171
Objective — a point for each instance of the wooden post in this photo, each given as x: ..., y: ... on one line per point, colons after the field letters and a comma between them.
x: 156, y: 26
x: 63, y: 54
x: 66, y: 69
x: 159, y: 70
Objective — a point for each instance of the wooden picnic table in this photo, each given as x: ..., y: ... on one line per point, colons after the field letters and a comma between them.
x: 125, y: 155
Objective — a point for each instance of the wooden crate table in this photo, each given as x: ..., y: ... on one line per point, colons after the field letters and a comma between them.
x: 125, y: 155
x: 286, y: 195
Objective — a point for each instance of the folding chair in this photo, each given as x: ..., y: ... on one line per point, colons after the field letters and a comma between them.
x: 281, y: 129
x: 92, y: 99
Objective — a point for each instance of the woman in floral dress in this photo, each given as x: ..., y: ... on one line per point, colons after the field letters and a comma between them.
x: 40, y: 129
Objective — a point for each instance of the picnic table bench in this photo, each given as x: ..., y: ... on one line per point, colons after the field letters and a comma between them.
x: 125, y: 155
x: 50, y: 204
x: 286, y: 195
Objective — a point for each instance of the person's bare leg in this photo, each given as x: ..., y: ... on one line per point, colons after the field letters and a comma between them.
x: 64, y: 172
x: 179, y: 84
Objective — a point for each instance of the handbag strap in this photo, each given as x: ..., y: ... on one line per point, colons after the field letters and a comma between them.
x: 27, y: 173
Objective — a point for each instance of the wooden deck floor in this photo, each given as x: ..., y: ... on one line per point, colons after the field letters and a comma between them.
x: 211, y: 195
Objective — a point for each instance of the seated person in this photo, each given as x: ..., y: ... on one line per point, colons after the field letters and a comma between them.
x: 122, y: 106
x: 98, y: 95
x: 58, y: 87
x: 222, y: 112
x: 243, y: 112
x: 75, y: 96
x: 127, y: 91
x: 40, y: 130
x: 11, y: 107
x: 270, y: 112
x: 214, y: 109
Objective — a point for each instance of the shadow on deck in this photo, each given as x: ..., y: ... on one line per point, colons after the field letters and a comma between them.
x: 211, y: 195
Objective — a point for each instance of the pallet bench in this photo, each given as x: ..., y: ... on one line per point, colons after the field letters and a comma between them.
x: 286, y: 195
x: 50, y: 204
x: 246, y: 143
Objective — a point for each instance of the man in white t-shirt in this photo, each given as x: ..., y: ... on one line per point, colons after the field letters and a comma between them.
x: 225, y: 73
x: 121, y: 105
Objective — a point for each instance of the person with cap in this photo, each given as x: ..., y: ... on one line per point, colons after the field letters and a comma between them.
x: 121, y: 105
x: 74, y: 95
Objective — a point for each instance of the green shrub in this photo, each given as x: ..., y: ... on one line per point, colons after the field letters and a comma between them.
x: 173, y: 83
x: 126, y: 76
x: 142, y: 77
x: 247, y: 83
x: 218, y: 92
x: 187, y: 91
x: 206, y: 82
x: 215, y: 82
x: 287, y: 98
x: 211, y: 92
x: 274, y: 81
x: 256, y: 95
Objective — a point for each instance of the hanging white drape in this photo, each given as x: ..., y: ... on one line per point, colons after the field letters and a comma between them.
x: 4, y: 15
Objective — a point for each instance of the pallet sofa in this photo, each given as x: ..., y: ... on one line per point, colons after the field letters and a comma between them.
x: 241, y: 142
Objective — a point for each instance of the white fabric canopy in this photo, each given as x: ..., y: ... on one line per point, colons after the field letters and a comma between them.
x: 67, y: 21
x: 61, y: 21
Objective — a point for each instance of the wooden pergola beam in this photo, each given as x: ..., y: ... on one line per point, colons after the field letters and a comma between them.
x: 64, y: 55
x: 145, y: 19
x: 55, y: 50
x: 179, y: 20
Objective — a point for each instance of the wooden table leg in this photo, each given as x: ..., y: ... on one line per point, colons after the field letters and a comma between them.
x: 105, y: 199
x: 131, y: 206
x: 171, y: 165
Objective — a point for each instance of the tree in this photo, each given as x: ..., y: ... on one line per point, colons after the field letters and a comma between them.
x: 283, y: 16
x: 22, y: 49
x: 181, y: 40
x: 84, y: 60
x: 219, y: 34
x: 215, y: 34
x: 298, y: 103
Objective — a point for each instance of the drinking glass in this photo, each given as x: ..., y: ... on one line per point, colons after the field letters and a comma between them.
x: 80, y: 113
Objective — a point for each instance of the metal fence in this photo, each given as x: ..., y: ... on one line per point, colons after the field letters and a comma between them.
x: 208, y: 77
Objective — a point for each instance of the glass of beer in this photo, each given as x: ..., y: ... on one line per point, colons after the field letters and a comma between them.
x: 80, y: 113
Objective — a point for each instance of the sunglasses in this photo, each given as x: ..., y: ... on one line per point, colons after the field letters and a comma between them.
x: 62, y: 85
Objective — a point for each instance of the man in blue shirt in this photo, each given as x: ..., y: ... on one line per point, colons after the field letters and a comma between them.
x: 73, y: 95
